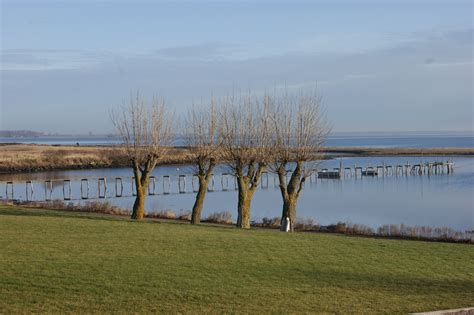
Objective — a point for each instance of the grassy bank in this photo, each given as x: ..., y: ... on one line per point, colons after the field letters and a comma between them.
x: 64, y: 261
x: 27, y: 158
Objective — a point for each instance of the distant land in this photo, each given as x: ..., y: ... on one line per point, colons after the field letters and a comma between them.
x: 30, y: 133
x: 20, y: 133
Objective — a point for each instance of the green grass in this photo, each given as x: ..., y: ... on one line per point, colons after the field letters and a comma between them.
x: 68, y: 262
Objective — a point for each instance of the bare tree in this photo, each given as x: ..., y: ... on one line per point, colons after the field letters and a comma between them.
x: 202, y: 138
x: 300, y: 129
x: 145, y: 132
x: 245, y: 132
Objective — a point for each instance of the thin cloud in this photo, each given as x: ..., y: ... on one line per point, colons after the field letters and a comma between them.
x: 359, y: 76
x: 204, y: 51
x: 450, y: 64
x: 50, y: 59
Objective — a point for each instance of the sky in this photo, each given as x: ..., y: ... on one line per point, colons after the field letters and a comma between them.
x: 404, y: 65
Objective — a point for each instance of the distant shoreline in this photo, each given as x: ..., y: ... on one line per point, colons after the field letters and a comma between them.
x: 457, y: 139
x: 375, y: 151
x: 23, y: 158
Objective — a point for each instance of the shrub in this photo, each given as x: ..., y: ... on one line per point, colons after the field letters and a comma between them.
x: 54, y: 204
x: 305, y: 225
x: 163, y: 214
x: 89, y: 206
x: 220, y: 217
x: 185, y: 215
x: 271, y: 222
x: 102, y: 207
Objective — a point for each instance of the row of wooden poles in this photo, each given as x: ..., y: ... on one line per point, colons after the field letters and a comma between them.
x: 430, y: 168
x: 228, y: 181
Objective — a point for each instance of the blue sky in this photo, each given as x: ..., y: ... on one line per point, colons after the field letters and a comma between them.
x: 379, y: 65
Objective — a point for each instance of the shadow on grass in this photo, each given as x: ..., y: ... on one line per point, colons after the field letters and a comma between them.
x: 394, y: 283
x: 38, y: 212
x: 33, y: 212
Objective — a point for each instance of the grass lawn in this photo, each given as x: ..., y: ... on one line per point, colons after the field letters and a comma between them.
x: 71, y: 262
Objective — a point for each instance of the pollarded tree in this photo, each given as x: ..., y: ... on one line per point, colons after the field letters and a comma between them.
x: 203, y: 141
x: 145, y: 131
x: 299, y: 129
x: 244, y: 128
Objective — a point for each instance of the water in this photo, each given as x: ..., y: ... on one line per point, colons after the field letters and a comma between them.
x: 387, y: 140
x: 437, y: 200
x: 402, y: 140
x: 63, y: 140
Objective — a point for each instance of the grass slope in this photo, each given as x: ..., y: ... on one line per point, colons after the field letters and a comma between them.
x: 65, y: 262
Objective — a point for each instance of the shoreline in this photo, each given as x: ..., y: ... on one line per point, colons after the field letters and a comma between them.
x: 339, y: 228
x: 373, y: 151
x: 28, y: 158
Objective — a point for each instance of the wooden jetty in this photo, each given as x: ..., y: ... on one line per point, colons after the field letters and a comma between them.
x: 101, y: 189
x: 325, y: 173
x: 370, y: 172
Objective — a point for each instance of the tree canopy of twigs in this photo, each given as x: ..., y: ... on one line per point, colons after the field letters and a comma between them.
x: 244, y: 127
x: 202, y: 137
x: 299, y: 129
x: 145, y: 131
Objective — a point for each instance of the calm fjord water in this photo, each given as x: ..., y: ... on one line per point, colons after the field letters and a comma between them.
x: 437, y: 200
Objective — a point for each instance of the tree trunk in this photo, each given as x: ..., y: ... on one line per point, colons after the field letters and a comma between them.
x: 198, y: 204
x: 139, y: 205
x: 246, y: 192
x: 289, y: 211
x: 290, y: 193
x: 142, y: 177
x: 243, y: 210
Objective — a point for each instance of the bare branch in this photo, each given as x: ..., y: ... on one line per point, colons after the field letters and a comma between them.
x: 145, y: 131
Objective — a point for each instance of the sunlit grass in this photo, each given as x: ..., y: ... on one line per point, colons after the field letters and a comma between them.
x: 62, y: 261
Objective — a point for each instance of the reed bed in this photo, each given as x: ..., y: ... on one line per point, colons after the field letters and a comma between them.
x: 33, y: 157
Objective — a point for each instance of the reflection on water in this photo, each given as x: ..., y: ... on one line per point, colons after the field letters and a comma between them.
x: 438, y: 200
